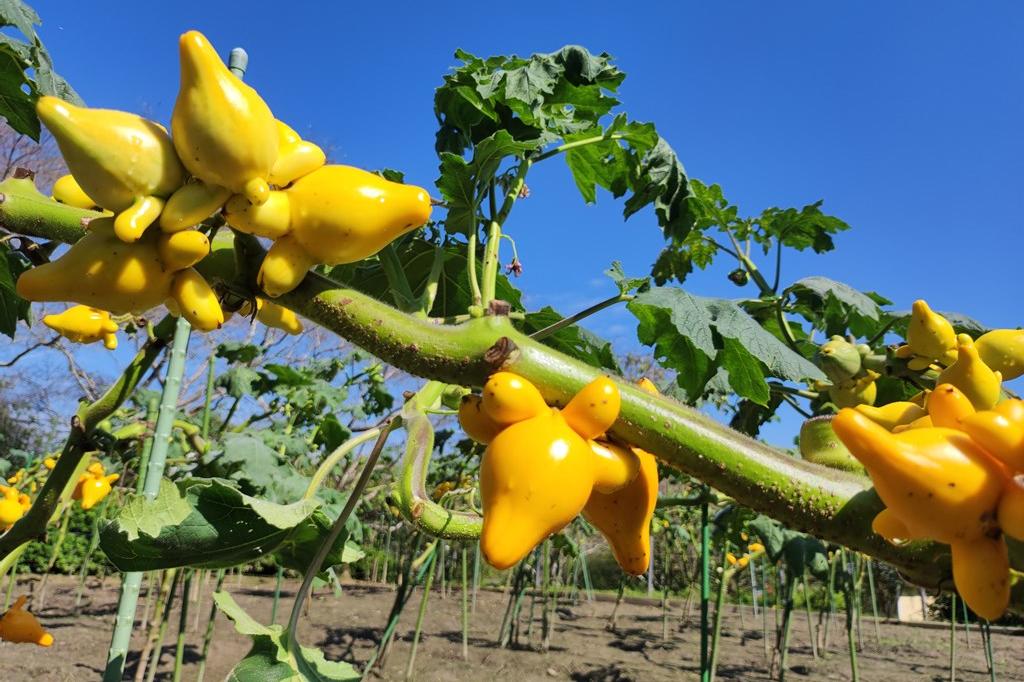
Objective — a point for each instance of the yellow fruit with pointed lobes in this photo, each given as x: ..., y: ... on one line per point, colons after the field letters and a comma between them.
x: 947, y: 406
x: 93, y: 486
x: 930, y: 338
x: 1011, y: 508
x: 508, y: 398
x: 334, y: 215
x: 972, y: 376
x: 83, y: 324
x: 859, y: 391
x: 11, y: 508
x: 1003, y: 351
x: 892, y: 415
x: 295, y: 157
x: 477, y: 424
x: 278, y: 317
x: 101, y: 271
x: 224, y: 132
x: 125, y: 163
x: 624, y: 516
x: 535, y: 477
x: 67, y: 191
x: 1001, y: 435
x: 938, y: 483
x: 21, y: 627
x: 594, y: 409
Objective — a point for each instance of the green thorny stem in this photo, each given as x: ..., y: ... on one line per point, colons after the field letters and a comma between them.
x: 414, y: 502
x: 131, y: 581
x: 829, y: 504
x: 328, y: 543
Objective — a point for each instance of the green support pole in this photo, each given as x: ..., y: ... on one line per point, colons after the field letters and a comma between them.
x: 129, y: 599
x: 705, y: 591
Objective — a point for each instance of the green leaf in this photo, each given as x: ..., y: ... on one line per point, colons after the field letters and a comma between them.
x: 16, y: 106
x: 237, y: 351
x: 269, y: 659
x: 745, y: 375
x: 458, y: 189
x: 240, y: 381
x: 298, y: 550
x: 206, y: 524
x: 840, y: 306
x: 625, y: 284
x: 771, y: 534
x: 800, y: 230
x: 246, y: 459
x: 689, y: 332
x: 12, y: 306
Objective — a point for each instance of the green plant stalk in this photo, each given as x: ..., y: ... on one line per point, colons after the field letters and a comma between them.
x: 952, y: 638
x: 705, y: 590
x: 204, y: 429
x: 874, y: 601
x: 787, y: 628
x: 277, y: 595
x: 465, y: 605
x: 491, y: 260
x: 764, y: 611
x: 413, y: 501
x: 332, y: 460
x: 831, y: 602
x: 848, y: 580
x: 581, y: 315
x: 210, y: 625
x: 154, y: 473
x: 40, y: 601
x: 474, y: 284
x: 337, y: 528
x: 429, y: 294
x: 179, y: 649
x: 476, y: 575
x: 12, y: 560
x: 410, y: 666
x: 156, y: 643
x: 588, y: 585
x: 402, y: 595
x: 152, y: 410
x: 716, y: 633
x: 94, y: 541
x: 967, y: 623
x: 989, y: 654
x: 807, y: 609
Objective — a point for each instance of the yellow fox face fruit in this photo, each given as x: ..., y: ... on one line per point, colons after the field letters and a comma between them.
x: 333, y: 215
x: 83, y: 324
x: 103, y: 272
x: 624, y: 516
x: 535, y: 477
x: 1003, y: 351
x: 21, y: 627
x: 67, y: 191
x: 224, y: 132
x: 972, y: 376
x: 295, y: 157
x: 123, y: 162
x: 937, y: 481
x: 594, y: 409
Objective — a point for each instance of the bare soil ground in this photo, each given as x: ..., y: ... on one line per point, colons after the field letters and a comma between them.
x: 581, y: 648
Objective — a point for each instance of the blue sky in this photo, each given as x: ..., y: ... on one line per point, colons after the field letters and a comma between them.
x: 904, y: 117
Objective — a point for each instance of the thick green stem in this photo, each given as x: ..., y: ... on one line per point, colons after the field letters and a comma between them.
x: 332, y: 460
x: 429, y: 294
x: 716, y: 634
x: 491, y: 260
x: 474, y: 283
x: 705, y: 590
x: 125, y: 621
x: 179, y: 649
